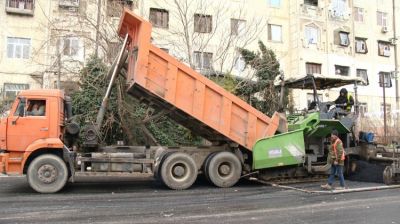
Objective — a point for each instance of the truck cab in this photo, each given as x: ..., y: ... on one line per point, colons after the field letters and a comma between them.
x: 34, y: 125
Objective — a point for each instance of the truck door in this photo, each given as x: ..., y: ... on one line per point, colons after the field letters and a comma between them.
x: 33, y: 125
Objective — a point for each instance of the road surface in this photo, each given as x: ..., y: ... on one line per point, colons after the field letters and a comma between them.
x: 102, y: 200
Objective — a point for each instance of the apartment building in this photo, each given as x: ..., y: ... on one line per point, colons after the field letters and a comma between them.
x: 47, y: 42
x: 23, y: 32
x: 50, y: 40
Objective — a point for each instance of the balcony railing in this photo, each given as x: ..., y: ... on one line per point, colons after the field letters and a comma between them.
x: 25, y: 7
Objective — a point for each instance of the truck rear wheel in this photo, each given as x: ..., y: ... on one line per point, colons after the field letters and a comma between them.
x: 223, y: 169
x: 178, y: 171
x: 47, y: 174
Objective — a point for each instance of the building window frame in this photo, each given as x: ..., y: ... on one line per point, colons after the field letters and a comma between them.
x: 311, y: 3
x: 311, y: 34
x: 115, y: 7
x: 363, y: 73
x: 18, y: 47
x: 383, y: 48
x: 274, y: 3
x: 385, y: 79
x: 360, y: 45
x: 381, y: 18
x: 159, y: 18
x: 238, y: 27
x: 13, y: 89
x: 362, y: 109
x: 275, y: 33
x: 73, y: 47
x: 202, y: 23
x: 203, y: 60
x: 344, y: 39
x: 359, y: 14
x: 342, y: 70
x: 313, y: 68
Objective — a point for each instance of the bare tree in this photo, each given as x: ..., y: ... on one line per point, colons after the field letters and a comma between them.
x: 188, y: 31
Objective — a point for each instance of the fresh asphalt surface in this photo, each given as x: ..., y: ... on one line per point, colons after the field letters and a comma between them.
x: 100, y: 200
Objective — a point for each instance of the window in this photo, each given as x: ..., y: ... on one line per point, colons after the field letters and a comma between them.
x: 381, y: 18
x: 36, y: 108
x: 383, y: 48
x: 70, y: 46
x: 159, y: 18
x: 68, y: 3
x: 388, y: 110
x: 363, y: 109
x: 339, y: 8
x: 361, y: 45
x: 313, y: 68
x: 202, y: 23
x: 20, y: 4
x: 274, y: 3
x: 311, y: 34
x: 385, y: 80
x: 342, y: 70
x: 18, y: 47
x: 240, y: 63
x: 203, y: 60
x: 311, y: 2
x: 344, y: 39
x: 362, y: 73
x: 238, y: 27
x: 11, y: 90
x: 358, y: 14
x: 115, y: 7
x: 275, y: 33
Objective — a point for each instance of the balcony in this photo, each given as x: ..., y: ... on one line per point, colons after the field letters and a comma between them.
x: 23, y: 7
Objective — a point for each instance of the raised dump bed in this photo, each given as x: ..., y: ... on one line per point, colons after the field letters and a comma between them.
x: 191, y: 99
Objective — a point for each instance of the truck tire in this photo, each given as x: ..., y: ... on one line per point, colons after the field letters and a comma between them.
x: 224, y: 169
x: 206, y: 164
x: 47, y: 174
x: 178, y: 171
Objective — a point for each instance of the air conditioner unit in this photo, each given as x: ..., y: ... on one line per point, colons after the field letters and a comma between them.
x: 384, y: 29
x: 69, y: 3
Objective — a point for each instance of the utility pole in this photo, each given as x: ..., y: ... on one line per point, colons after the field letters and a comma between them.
x: 96, y: 53
x: 396, y: 69
x: 383, y: 83
x: 58, y: 52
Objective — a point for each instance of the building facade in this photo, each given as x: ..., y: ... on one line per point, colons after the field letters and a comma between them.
x: 46, y: 42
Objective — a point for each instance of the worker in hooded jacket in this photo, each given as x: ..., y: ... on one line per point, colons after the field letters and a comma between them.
x: 336, y: 158
x: 345, y: 100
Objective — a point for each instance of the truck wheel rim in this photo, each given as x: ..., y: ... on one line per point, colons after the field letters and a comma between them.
x: 47, y: 173
x: 224, y: 169
x: 179, y: 171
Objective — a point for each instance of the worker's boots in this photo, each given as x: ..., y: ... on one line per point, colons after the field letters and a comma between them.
x: 326, y: 187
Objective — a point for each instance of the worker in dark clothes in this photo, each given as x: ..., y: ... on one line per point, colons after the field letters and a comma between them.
x: 345, y: 100
x: 336, y: 158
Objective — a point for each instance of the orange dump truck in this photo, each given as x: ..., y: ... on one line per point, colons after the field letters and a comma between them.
x: 44, y: 146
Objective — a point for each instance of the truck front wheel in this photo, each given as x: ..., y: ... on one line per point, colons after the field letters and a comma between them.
x: 47, y: 174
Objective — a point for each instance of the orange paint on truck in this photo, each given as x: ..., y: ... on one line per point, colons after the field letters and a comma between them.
x: 20, y: 136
